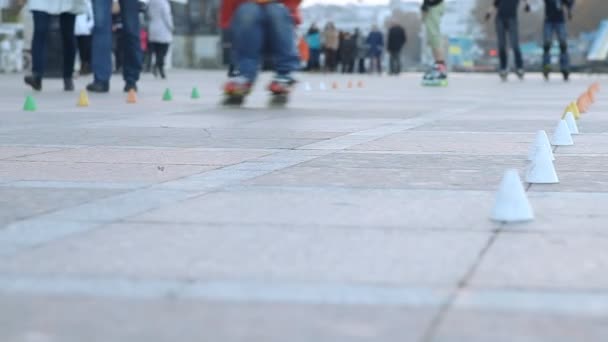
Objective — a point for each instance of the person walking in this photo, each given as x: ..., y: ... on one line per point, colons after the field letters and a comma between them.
x: 102, y: 45
x: 83, y: 29
x: 362, y: 50
x: 432, y: 12
x: 348, y: 51
x: 507, y: 25
x: 42, y: 10
x: 313, y: 38
x: 396, y: 40
x: 555, y: 24
x: 161, y: 33
x: 331, y: 41
x: 375, y: 42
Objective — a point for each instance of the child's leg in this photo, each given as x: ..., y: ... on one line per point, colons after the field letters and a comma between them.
x: 247, y: 39
x: 281, y: 32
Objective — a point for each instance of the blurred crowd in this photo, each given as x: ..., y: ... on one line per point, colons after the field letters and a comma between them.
x: 333, y: 50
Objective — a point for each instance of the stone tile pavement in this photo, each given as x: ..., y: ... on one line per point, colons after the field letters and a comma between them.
x: 351, y: 215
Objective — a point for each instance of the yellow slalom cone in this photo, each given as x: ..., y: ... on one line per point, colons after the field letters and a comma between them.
x: 132, y: 96
x: 83, y: 99
x: 573, y: 108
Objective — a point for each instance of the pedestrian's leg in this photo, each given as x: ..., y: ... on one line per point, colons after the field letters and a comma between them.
x: 501, y: 36
x: 163, y: 49
x: 41, y: 28
x: 101, y: 51
x: 564, y: 58
x: 514, y: 41
x: 84, y: 48
x: 248, y: 39
x: 129, y: 10
x: 67, y: 21
x: 398, y: 71
x: 547, y: 42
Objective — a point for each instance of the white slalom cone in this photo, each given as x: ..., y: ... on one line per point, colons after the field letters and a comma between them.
x: 541, y: 170
x: 307, y: 86
x: 541, y: 145
x: 512, y: 204
x: 571, y: 123
x: 322, y: 86
x: 562, y: 135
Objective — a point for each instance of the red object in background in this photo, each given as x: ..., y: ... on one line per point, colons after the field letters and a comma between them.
x: 228, y: 7
x: 143, y: 36
x: 493, y: 53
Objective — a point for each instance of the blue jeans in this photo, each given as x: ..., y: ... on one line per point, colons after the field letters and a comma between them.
x: 102, y: 40
x: 559, y: 29
x: 39, y: 47
x: 508, y: 27
x: 254, y: 26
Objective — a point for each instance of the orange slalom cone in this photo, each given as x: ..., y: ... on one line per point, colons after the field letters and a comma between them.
x: 350, y: 84
x: 591, y: 96
x: 596, y: 87
x: 360, y: 84
x: 583, y: 103
x: 335, y: 85
x: 132, y: 96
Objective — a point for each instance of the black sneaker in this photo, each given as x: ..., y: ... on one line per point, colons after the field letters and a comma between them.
x: 130, y: 86
x: 546, y: 71
x: 98, y: 87
x: 68, y: 84
x: 33, y: 81
x: 566, y: 75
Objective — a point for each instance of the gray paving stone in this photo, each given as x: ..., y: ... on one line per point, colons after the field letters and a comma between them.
x: 465, y: 326
x: 551, y: 261
x: 322, y: 255
x: 27, y: 319
x: 90, y: 172
x: 21, y: 203
x: 400, y: 209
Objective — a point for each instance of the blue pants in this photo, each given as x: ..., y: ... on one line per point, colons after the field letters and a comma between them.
x: 102, y: 40
x: 508, y: 27
x: 255, y: 26
x: 39, y: 47
x: 558, y: 29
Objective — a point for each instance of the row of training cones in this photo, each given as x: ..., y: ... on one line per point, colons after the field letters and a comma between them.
x: 512, y: 204
x: 334, y: 85
x: 83, y: 99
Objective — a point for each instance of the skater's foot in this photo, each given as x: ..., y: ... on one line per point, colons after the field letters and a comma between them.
x: 281, y: 84
x: 504, y: 74
x: 520, y: 73
x: 436, y: 76
x: 566, y: 75
x: 238, y: 86
x: 33, y: 81
x: 546, y: 72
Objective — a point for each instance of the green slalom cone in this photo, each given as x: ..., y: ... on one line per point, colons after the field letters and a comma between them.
x: 30, y: 104
x: 195, y: 94
x: 167, y: 95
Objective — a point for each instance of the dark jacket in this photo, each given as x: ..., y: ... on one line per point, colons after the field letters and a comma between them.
x: 430, y: 3
x: 506, y: 8
x: 375, y: 42
x: 554, y: 10
x: 348, y: 49
x: 396, y: 38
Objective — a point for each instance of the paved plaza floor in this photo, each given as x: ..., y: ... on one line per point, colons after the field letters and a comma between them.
x: 355, y: 214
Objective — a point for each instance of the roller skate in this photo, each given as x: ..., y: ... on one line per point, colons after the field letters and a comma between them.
x: 436, y: 76
x: 280, y: 88
x: 235, y: 91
